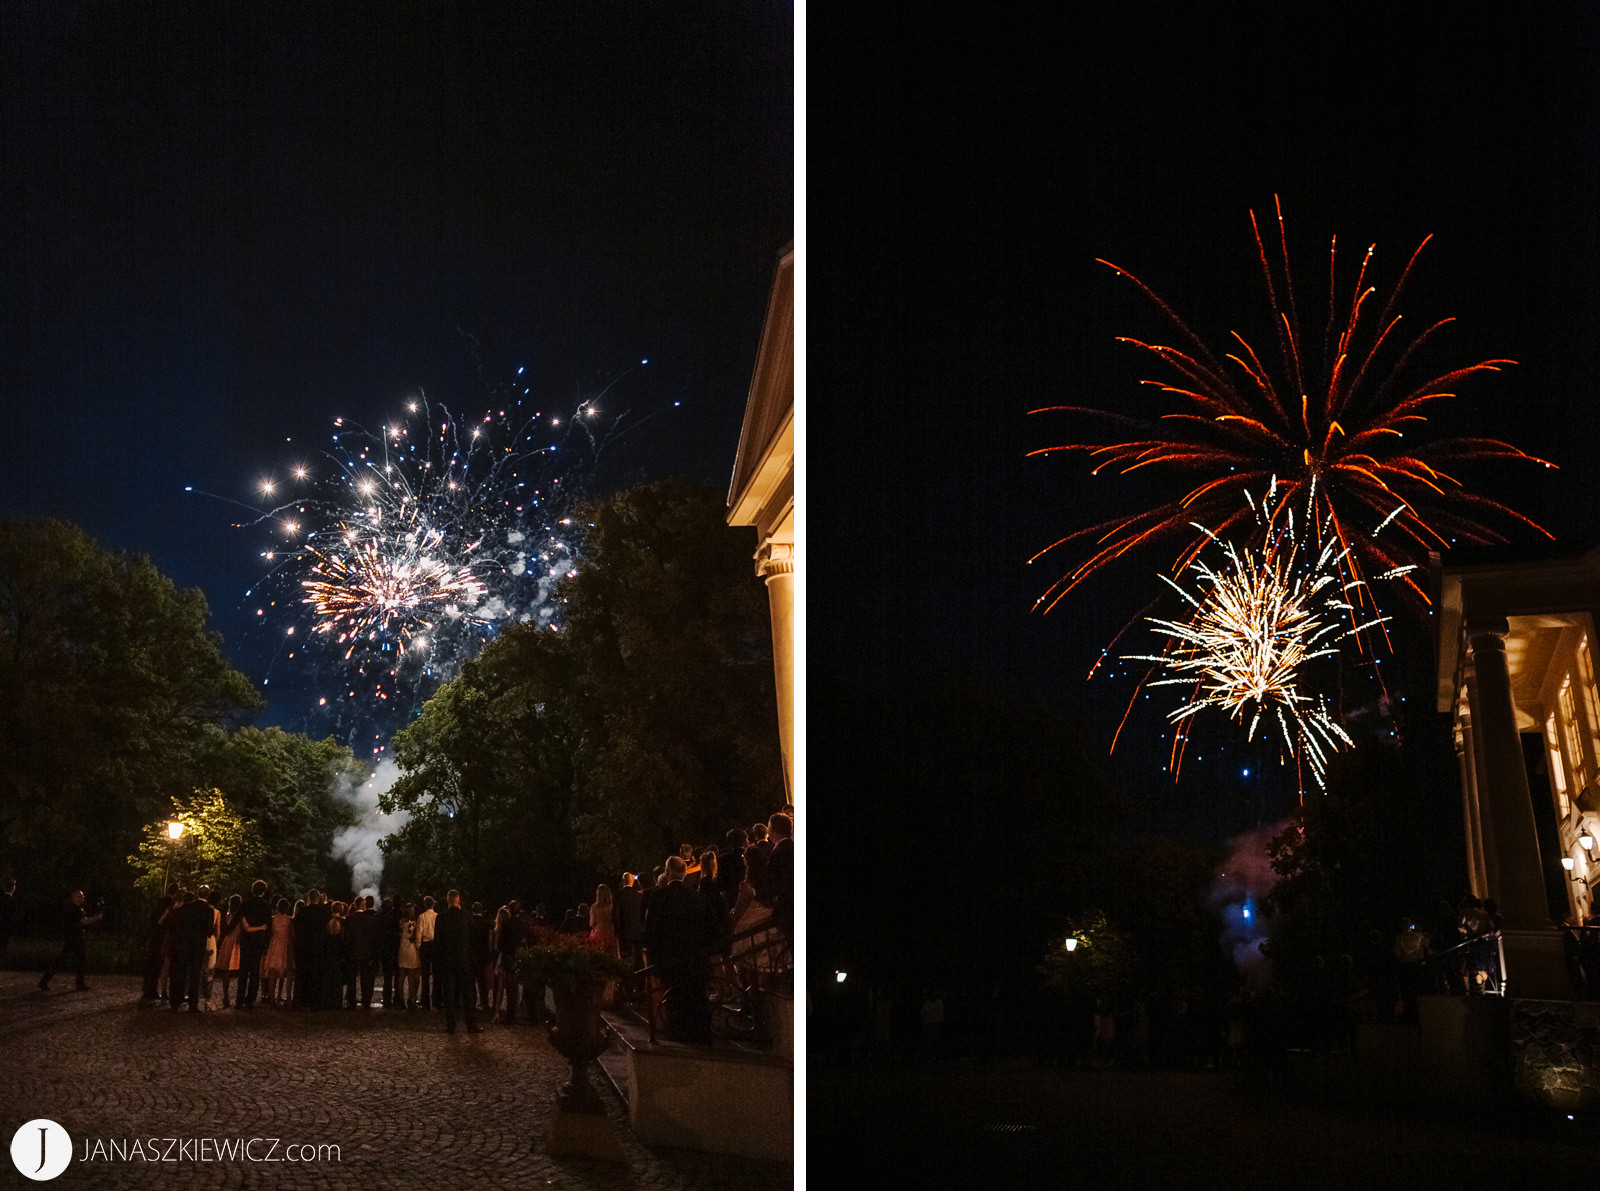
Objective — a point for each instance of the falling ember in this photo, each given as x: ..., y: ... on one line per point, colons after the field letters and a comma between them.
x: 1330, y: 411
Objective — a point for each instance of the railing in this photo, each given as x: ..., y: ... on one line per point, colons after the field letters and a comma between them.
x: 1473, y: 953
x: 741, y: 966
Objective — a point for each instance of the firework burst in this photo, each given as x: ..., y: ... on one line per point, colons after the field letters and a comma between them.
x: 1259, y: 617
x: 1333, y: 414
x: 407, y: 546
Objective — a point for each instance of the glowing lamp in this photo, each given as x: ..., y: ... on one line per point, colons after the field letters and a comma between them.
x: 838, y: 977
x: 1071, y: 944
x: 1567, y: 863
x: 1586, y: 840
x: 174, y: 829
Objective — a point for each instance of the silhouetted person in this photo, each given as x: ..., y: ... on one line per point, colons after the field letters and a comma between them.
x: 255, y: 927
x: 452, y: 957
x: 195, y: 921
x: 74, y: 920
x: 513, y: 931
x: 426, y: 922
x: 388, y: 928
x: 780, y: 871
x: 160, y: 944
x: 677, y: 940
x: 731, y: 868
x: 361, y: 929
x: 630, y: 920
x: 482, y: 961
x: 310, y: 924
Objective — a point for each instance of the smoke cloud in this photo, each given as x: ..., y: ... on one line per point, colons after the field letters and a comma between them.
x: 358, y: 846
x: 1242, y: 883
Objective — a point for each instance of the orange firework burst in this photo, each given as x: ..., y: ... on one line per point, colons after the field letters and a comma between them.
x: 1333, y: 418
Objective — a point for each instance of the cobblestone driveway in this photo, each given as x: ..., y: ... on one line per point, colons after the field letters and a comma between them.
x: 408, y: 1105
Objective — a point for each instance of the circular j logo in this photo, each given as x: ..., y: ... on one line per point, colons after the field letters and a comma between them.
x: 41, y: 1149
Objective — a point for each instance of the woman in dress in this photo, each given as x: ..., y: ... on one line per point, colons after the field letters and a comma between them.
x: 603, y: 932
x: 275, y: 966
x: 228, y: 948
x: 603, y: 921
x: 333, y: 957
x: 410, y: 962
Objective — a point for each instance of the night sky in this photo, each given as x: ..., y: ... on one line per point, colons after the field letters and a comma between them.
x: 975, y: 171
x: 226, y: 226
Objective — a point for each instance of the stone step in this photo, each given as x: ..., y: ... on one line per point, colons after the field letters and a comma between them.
x: 727, y: 1098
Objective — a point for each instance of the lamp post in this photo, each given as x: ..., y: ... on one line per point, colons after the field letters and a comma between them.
x: 174, y: 833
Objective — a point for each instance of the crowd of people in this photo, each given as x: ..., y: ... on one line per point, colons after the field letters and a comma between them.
x: 322, y: 953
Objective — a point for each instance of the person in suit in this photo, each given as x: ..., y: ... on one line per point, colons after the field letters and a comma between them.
x: 482, y: 959
x: 196, y: 922
x: 255, y: 923
x: 74, y: 921
x: 388, y: 924
x: 677, y: 943
x: 452, y: 957
x: 310, y: 924
x: 361, y: 929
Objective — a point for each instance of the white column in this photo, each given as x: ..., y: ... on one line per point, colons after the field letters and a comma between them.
x: 1467, y: 763
x: 1535, y: 961
x: 775, y: 564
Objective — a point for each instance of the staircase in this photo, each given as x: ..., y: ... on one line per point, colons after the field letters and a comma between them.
x: 727, y: 1098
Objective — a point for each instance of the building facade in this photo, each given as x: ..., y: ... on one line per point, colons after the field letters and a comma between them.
x: 1516, y: 672
x: 762, y: 494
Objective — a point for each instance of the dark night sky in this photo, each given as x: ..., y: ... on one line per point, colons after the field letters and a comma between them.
x: 975, y: 172
x: 226, y: 225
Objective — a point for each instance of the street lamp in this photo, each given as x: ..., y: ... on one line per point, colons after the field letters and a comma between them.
x: 1071, y: 944
x: 174, y: 833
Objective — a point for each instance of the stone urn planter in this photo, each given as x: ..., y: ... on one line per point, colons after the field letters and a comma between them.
x: 576, y: 973
x: 580, y: 1035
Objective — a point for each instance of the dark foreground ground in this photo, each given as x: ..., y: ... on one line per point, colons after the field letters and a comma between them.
x: 408, y: 1105
x: 1012, y: 1124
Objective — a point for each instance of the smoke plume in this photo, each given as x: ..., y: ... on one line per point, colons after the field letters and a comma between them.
x: 358, y: 846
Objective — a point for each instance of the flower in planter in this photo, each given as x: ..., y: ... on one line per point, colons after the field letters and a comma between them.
x: 553, y: 957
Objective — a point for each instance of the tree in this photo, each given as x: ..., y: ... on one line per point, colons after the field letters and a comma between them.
x: 677, y: 723
x: 287, y: 784
x: 219, y: 847
x: 647, y: 720
x: 487, y: 773
x: 108, y: 677
x: 1102, y: 964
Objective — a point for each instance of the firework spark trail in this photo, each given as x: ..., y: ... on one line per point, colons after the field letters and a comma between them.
x: 1259, y: 617
x: 1344, y: 418
x: 422, y: 539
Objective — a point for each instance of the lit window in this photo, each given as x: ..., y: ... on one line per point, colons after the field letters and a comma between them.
x: 1591, y: 698
x: 1569, y: 736
x: 1558, y: 774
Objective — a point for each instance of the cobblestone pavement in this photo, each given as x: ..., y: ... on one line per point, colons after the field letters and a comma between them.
x: 1013, y: 1124
x: 408, y: 1105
